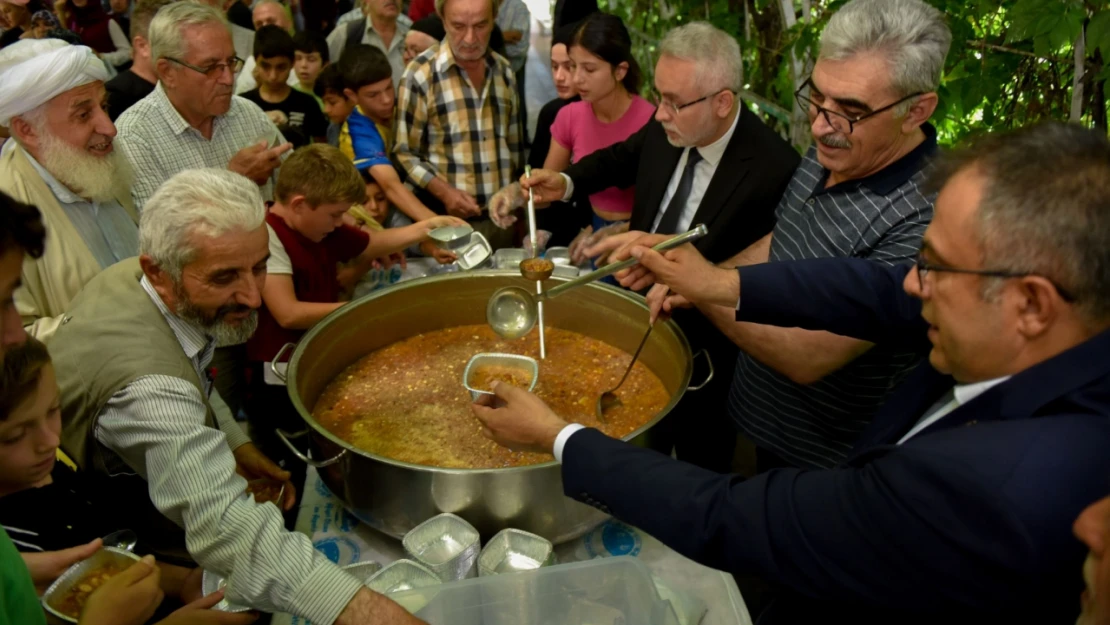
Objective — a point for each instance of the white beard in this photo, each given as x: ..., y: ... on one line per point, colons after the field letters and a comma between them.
x: 95, y: 178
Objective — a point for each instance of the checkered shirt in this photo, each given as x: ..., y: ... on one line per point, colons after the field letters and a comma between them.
x: 160, y: 143
x: 445, y: 128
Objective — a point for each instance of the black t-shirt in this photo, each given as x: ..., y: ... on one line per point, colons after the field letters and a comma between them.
x: 124, y: 91
x: 74, y: 509
x: 306, y: 120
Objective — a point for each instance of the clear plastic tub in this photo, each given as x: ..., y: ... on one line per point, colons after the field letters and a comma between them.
x: 606, y: 591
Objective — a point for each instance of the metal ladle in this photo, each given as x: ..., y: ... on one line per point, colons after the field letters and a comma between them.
x: 511, y: 311
x: 609, y: 398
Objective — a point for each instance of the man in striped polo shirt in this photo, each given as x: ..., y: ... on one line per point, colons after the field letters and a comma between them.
x: 804, y: 397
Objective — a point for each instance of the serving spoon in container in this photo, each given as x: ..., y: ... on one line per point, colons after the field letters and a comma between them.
x: 511, y: 311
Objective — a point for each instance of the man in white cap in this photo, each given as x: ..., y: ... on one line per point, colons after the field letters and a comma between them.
x: 63, y: 161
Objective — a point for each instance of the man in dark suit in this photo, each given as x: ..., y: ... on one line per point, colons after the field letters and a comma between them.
x: 958, y: 501
x: 705, y: 158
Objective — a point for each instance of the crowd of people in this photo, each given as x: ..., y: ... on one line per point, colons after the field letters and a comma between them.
x: 912, y: 339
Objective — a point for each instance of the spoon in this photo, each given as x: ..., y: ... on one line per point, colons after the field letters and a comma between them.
x: 609, y: 399
x: 534, y: 268
x: 121, y: 539
x: 511, y: 311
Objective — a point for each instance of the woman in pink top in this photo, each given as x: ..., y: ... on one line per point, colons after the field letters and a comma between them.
x: 607, y: 78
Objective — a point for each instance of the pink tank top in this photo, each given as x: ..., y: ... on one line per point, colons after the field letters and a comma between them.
x: 577, y: 129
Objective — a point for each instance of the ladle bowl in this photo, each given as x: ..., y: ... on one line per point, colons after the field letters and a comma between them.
x: 511, y: 311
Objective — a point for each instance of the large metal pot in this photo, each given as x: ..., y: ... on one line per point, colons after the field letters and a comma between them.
x: 394, y: 496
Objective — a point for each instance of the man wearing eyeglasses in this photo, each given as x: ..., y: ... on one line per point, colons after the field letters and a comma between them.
x: 956, y: 505
x: 704, y: 158
x: 804, y: 397
x: 191, y: 120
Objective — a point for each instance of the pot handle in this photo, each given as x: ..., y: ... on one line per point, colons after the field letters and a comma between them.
x: 319, y: 464
x: 277, y: 357
x: 708, y: 378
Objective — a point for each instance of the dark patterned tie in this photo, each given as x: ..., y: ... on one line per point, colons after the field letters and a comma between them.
x: 669, y: 221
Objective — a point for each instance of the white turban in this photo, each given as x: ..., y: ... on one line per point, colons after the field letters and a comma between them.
x: 34, y: 71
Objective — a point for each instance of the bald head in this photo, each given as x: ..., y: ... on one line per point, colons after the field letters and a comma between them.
x: 272, y: 13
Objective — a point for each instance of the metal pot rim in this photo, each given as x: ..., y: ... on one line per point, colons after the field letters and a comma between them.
x: 294, y: 365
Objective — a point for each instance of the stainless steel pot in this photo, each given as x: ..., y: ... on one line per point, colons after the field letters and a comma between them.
x: 394, y: 496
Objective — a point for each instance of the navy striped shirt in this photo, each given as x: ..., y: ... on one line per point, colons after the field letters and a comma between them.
x: 881, y: 217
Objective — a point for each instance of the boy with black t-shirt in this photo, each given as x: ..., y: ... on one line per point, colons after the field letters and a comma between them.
x: 296, y: 114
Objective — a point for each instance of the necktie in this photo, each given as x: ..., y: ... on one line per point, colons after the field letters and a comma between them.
x: 669, y: 221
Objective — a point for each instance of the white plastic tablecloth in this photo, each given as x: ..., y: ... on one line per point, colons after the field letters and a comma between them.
x: 342, y: 538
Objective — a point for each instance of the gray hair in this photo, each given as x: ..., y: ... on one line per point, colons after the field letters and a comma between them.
x: 441, y: 4
x: 715, y: 53
x: 910, y: 34
x: 1045, y: 208
x: 196, y: 202
x: 167, y: 29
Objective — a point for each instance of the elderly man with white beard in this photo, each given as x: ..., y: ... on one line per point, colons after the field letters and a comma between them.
x: 63, y: 161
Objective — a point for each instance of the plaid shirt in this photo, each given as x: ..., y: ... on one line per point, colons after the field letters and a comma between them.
x: 160, y: 143
x: 447, y: 129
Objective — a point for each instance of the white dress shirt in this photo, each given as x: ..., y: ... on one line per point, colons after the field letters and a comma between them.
x: 156, y: 426
x: 961, y: 394
x: 703, y: 174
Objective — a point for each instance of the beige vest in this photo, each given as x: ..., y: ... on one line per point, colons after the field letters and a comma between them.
x: 112, y: 334
x: 50, y: 282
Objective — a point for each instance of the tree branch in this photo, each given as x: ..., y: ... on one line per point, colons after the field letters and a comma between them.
x: 983, y: 45
x: 1077, y: 79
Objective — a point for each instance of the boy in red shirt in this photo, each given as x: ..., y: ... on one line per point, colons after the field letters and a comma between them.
x: 304, y: 283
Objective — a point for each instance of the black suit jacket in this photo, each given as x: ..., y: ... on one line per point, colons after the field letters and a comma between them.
x: 968, y: 521
x: 739, y: 205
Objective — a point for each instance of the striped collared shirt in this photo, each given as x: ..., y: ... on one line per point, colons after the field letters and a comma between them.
x: 156, y: 426
x: 160, y: 143
x: 883, y: 218
x: 447, y: 129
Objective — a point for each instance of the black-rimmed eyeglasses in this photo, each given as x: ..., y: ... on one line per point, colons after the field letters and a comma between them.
x: 924, y: 267
x: 659, y: 100
x: 235, y: 64
x: 838, y: 120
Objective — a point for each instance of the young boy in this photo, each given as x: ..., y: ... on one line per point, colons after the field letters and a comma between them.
x: 308, y: 239
x: 368, y: 84
x: 310, y: 56
x: 329, y: 89
x: 296, y: 114
x: 44, y: 504
x: 377, y: 213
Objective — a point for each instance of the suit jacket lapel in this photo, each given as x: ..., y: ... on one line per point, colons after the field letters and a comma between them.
x: 663, y: 163
x: 1025, y: 394
x: 905, y: 407
x: 729, y: 174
